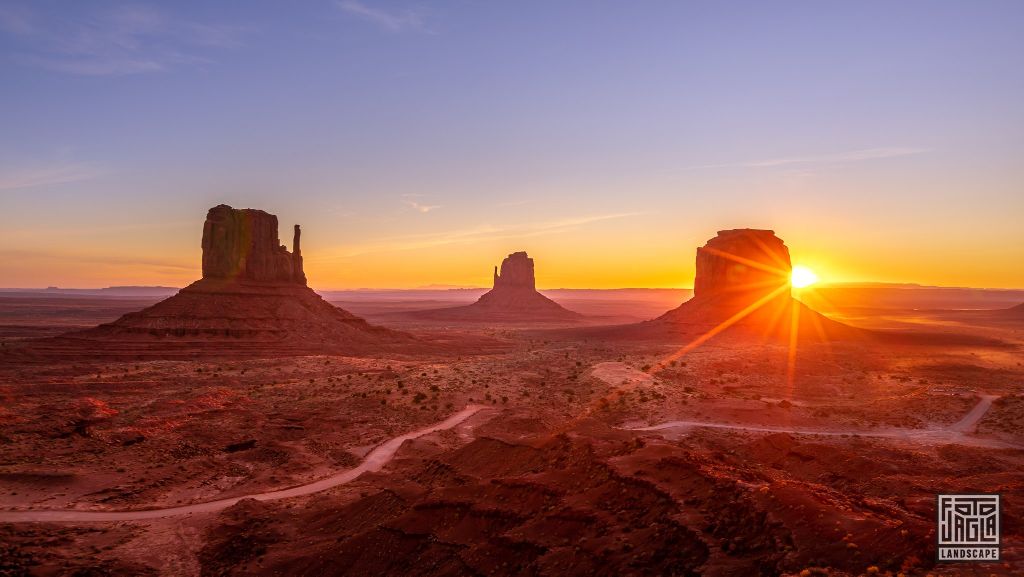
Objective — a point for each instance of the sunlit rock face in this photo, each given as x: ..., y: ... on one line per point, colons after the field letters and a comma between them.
x: 742, y: 262
x: 516, y: 272
x: 242, y: 244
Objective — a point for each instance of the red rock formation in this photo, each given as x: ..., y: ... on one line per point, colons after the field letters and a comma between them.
x: 514, y: 298
x: 252, y: 300
x: 743, y: 260
x: 242, y: 244
x: 516, y: 272
x: 742, y: 282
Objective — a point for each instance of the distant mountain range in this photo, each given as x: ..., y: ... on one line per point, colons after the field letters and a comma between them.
x: 113, y: 291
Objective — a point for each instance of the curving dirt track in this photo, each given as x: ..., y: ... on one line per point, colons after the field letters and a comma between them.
x: 621, y: 375
x: 970, y: 421
x: 958, y: 433
x: 374, y: 461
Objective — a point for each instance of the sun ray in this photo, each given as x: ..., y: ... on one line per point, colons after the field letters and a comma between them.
x: 752, y: 286
x: 771, y: 253
x: 794, y: 334
x: 722, y: 326
x: 772, y: 323
x: 817, y: 300
x: 746, y: 261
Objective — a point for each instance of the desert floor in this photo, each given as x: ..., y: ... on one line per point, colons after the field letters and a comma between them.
x: 547, y: 455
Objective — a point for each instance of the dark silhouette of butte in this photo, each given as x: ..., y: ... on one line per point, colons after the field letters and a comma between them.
x: 741, y: 289
x: 514, y: 298
x: 252, y: 298
x: 743, y: 282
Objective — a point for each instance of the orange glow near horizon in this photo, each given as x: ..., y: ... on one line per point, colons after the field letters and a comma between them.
x: 800, y: 277
x: 613, y: 255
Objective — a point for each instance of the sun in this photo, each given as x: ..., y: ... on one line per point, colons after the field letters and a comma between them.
x: 802, y: 276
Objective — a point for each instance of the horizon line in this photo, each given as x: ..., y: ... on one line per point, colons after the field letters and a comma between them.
x: 836, y: 284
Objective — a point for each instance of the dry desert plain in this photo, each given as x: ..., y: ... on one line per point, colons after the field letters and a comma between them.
x: 580, y: 455
x: 246, y: 426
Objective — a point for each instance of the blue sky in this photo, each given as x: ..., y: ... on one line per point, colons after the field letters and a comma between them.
x: 418, y: 143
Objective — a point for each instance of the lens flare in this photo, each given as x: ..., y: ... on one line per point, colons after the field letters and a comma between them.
x: 802, y: 277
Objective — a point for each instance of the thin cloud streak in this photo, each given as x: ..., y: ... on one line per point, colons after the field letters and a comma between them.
x: 15, y: 20
x: 90, y: 66
x: 418, y: 206
x: 94, y: 259
x: 36, y: 230
x: 836, y: 158
x: 47, y: 175
x: 481, y: 233
x: 126, y: 40
x: 424, y: 208
x: 391, y: 21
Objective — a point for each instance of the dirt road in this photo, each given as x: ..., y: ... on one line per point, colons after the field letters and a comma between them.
x: 621, y: 375
x: 958, y: 433
x: 374, y: 461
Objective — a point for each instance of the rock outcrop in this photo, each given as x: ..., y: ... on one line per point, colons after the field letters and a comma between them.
x: 242, y: 244
x: 513, y: 299
x: 516, y: 273
x: 742, y: 285
x: 741, y: 262
x: 252, y: 300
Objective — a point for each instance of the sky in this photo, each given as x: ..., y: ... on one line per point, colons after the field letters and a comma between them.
x: 418, y: 143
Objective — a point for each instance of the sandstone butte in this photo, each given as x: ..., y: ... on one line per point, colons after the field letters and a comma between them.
x: 742, y: 281
x: 252, y: 299
x: 513, y: 298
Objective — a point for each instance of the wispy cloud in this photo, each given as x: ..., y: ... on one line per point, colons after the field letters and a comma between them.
x: 126, y: 40
x: 28, y: 231
x: 392, y: 21
x: 14, y: 179
x: 424, y: 208
x: 477, y: 234
x: 834, y: 158
x: 418, y: 206
x: 90, y: 66
x: 15, y: 20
